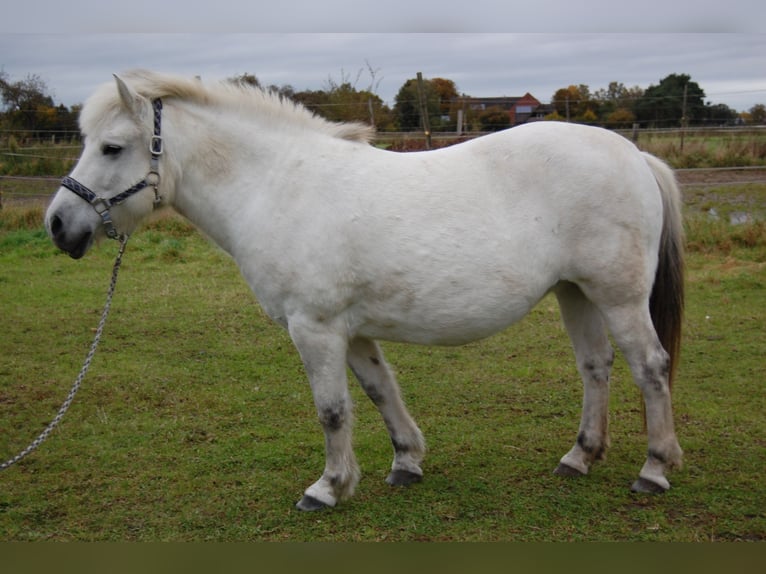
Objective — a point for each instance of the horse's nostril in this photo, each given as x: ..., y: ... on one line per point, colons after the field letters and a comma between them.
x: 56, y: 225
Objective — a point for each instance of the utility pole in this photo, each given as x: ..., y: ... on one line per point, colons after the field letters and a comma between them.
x: 683, y: 117
x: 372, y: 114
x: 424, y: 111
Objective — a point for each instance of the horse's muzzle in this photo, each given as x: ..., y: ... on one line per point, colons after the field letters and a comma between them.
x: 74, y: 244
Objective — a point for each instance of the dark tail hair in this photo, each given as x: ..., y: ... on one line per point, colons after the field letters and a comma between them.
x: 666, y: 303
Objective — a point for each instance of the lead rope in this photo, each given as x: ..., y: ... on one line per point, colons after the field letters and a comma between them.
x: 78, y: 381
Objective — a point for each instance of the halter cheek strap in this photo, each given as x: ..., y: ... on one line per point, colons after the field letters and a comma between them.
x: 103, y: 205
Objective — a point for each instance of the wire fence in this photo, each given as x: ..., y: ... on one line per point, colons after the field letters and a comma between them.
x: 20, y: 190
x: 29, y: 140
x: 20, y: 166
x: 16, y: 190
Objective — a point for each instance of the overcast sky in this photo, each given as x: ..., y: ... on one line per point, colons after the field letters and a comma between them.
x: 486, y: 48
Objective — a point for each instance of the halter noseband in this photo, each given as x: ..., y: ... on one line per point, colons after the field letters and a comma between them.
x: 152, y: 179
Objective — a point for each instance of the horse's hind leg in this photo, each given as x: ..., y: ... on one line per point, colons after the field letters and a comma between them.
x: 368, y: 365
x: 634, y: 332
x: 594, y: 357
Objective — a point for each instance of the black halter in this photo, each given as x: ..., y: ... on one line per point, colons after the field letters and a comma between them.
x: 152, y: 179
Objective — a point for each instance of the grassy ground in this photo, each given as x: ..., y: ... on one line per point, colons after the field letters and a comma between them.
x: 698, y: 149
x: 196, y: 423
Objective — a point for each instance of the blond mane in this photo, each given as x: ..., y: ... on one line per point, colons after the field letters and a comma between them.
x: 247, y: 99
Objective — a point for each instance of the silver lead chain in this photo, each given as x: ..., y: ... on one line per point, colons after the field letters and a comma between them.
x: 78, y: 381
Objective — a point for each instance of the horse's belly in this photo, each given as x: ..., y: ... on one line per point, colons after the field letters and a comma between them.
x: 453, y: 322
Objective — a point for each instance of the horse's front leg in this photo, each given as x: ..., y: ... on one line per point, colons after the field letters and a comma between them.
x: 323, y: 352
x: 368, y: 365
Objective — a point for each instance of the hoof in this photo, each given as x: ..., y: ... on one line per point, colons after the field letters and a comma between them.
x: 647, y: 487
x: 568, y: 471
x: 403, y: 478
x: 310, y: 504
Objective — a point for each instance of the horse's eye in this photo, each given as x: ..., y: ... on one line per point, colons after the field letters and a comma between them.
x: 111, y: 149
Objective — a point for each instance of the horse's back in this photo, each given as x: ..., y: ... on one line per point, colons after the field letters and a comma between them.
x: 565, y: 166
x: 536, y: 192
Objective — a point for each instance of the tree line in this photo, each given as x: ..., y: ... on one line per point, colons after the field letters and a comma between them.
x: 674, y: 102
x: 28, y: 109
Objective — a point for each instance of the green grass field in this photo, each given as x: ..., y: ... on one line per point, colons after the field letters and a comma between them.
x: 196, y: 421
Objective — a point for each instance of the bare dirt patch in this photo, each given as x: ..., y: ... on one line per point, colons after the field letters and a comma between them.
x: 741, y: 175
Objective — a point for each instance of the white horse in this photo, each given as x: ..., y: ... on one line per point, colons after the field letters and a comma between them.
x: 343, y: 244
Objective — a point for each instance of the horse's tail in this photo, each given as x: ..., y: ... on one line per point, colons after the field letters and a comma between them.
x: 666, y: 303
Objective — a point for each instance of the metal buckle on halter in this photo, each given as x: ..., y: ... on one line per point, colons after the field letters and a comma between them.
x: 155, y: 145
x: 153, y: 181
x: 101, y: 205
x: 109, y: 229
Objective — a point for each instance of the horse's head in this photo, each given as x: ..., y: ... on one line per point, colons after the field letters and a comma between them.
x: 114, y: 184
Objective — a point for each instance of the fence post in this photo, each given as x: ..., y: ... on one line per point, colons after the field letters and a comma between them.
x: 424, y: 111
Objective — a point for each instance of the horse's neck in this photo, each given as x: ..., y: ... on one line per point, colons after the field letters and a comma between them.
x: 216, y: 154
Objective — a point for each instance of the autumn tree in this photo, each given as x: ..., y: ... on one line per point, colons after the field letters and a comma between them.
x: 249, y: 80
x: 344, y: 103
x: 441, y: 98
x: 494, y: 119
x: 618, y: 95
x: 446, y: 90
x: 574, y: 103
x: 663, y: 105
x: 26, y: 103
x: 620, y: 118
x: 616, y: 103
x: 28, y: 106
x: 337, y: 101
x: 245, y: 79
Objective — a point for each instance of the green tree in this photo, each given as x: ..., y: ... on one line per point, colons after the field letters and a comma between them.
x: 719, y: 115
x: 406, y: 111
x: 757, y: 115
x: 663, y: 105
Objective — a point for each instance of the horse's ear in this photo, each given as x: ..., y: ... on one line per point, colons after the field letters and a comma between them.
x: 130, y: 99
